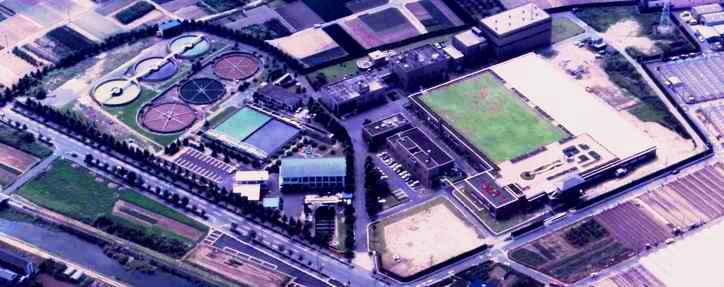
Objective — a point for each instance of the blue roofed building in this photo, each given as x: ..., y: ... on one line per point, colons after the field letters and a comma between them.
x: 170, y: 28
x: 324, y: 175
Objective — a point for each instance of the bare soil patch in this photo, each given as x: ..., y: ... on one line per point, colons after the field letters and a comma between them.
x: 627, y: 33
x: 236, y: 268
x: 140, y: 215
x: 412, y: 240
x: 16, y: 159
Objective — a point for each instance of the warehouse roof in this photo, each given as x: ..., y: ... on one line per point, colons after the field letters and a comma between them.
x: 303, y: 167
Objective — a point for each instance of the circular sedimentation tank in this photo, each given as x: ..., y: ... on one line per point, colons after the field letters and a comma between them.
x: 117, y: 92
x: 155, y: 69
x: 189, y: 46
x: 236, y: 66
x: 167, y: 118
x: 202, y: 91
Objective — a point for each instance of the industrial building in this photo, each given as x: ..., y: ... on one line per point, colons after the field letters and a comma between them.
x: 675, y: 4
x: 278, y: 98
x: 376, y: 133
x: 473, y: 45
x: 323, y: 175
x: 420, y: 155
x: 251, y: 184
x: 421, y: 67
x: 518, y: 31
x: 713, y: 19
x: 591, y: 149
x: 702, y: 10
x: 14, y: 268
x: 358, y: 93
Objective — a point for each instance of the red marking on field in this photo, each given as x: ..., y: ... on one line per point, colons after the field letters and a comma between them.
x: 168, y: 117
x: 237, y: 66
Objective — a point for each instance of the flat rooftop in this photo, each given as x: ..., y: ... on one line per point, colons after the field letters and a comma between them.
x: 419, y: 57
x: 485, y: 188
x: 421, y: 147
x: 571, y: 106
x: 387, y: 124
x: 304, y: 167
x: 469, y: 38
x: 514, y: 19
x: 359, y: 85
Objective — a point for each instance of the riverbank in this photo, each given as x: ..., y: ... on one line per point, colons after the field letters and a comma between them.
x: 33, y: 214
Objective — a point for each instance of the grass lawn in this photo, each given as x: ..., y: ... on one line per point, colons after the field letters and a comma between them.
x: 14, y: 138
x: 564, y: 28
x: 158, y: 208
x: 491, y: 117
x: 71, y: 191
x: 336, y: 72
x: 75, y: 192
x: 128, y: 113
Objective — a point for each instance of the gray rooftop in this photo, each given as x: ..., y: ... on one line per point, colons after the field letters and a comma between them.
x: 515, y: 19
x: 303, y: 167
x: 419, y: 57
x: 419, y: 146
x: 386, y: 124
x: 469, y: 38
x: 354, y: 87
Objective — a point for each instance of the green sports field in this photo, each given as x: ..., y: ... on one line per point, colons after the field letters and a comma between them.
x: 491, y: 117
x: 242, y: 124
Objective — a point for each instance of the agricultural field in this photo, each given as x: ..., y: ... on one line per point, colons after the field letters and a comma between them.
x: 479, y: 9
x: 299, y: 15
x: 380, y: 28
x: 218, y: 6
x: 629, y: 228
x: 512, y: 128
x: 408, y: 242
x: 574, y: 252
x: 492, y: 273
x: 328, y: 12
x: 81, y: 194
x: 134, y: 12
x: 58, y: 43
x: 16, y: 159
x: 434, y: 15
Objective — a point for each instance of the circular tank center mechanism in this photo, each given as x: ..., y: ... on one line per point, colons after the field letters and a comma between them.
x: 116, y: 92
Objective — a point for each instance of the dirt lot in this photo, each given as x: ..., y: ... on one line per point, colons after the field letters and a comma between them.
x: 235, y: 268
x: 137, y: 214
x: 412, y: 239
x: 626, y: 33
x: 16, y: 159
x: 569, y: 57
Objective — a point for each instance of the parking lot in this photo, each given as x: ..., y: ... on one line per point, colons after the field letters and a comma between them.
x: 693, y: 78
x: 206, y: 166
x: 404, y: 186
